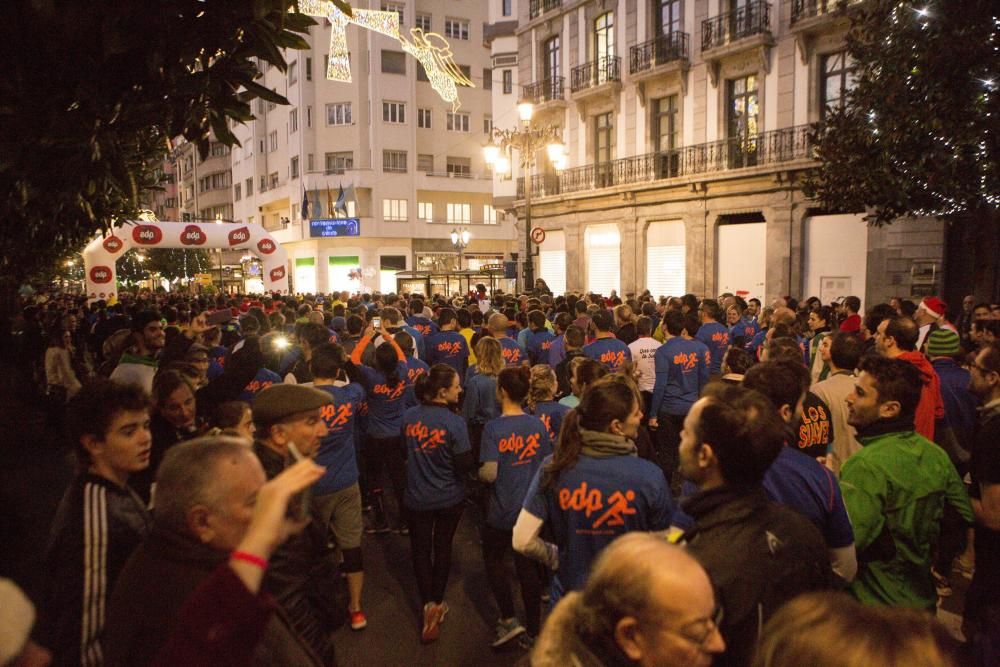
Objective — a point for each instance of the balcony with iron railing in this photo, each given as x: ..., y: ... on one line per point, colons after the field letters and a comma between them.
x: 808, y: 9
x: 544, y: 92
x: 670, y: 48
x: 752, y: 19
x: 538, y: 7
x: 592, y: 78
x: 812, y: 18
x: 766, y: 149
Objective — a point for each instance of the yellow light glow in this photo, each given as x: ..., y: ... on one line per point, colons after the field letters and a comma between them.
x: 501, y: 166
x: 430, y: 49
x: 490, y: 153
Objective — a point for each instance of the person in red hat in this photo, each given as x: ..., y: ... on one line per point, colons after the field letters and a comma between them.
x: 930, y: 316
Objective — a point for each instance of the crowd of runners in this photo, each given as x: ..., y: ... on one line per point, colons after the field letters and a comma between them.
x: 676, y: 480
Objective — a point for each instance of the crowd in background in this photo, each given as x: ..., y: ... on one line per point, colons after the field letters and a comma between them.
x: 802, y: 480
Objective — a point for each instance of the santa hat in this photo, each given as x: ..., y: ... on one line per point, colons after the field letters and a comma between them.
x: 934, y: 306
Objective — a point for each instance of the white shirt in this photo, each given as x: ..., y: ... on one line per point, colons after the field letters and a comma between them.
x: 643, y: 351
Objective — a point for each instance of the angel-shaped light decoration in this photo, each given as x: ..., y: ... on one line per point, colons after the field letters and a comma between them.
x: 431, y: 49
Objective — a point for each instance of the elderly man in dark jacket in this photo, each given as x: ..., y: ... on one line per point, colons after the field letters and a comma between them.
x: 205, y: 498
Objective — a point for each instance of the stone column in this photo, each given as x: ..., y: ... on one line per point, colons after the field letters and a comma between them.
x: 784, y: 271
x: 695, y: 254
x: 630, y: 253
x: 575, y: 257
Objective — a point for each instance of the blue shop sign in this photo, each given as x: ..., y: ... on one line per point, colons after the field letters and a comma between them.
x: 335, y: 227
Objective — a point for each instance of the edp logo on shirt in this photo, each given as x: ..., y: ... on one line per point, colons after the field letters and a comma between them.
x: 428, y: 439
x: 591, y: 501
x: 524, y: 447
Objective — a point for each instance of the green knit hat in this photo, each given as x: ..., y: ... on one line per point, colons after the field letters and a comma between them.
x: 943, y: 343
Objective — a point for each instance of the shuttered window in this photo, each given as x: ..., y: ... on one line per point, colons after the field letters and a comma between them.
x: 665, y: 259
x: 552, y: 261
x: 603, y: 243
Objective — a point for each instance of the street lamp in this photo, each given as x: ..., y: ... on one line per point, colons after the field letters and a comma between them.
x: 528, y: 140
x: 460, y: 239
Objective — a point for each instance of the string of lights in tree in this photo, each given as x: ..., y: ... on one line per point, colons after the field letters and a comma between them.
x: 918, y: 132
x: 431, y: 50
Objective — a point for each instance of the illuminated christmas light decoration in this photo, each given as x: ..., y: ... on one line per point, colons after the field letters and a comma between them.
x: 430, y: 49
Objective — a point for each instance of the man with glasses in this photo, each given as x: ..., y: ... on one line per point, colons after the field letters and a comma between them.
x: 758, y: 553
x: 646, y: 602
x: 982, y: 602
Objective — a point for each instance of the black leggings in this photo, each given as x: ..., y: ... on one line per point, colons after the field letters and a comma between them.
x: 386, y: 453
x: 431, y: 535
x: 496, y: 544
x: 668, y: 440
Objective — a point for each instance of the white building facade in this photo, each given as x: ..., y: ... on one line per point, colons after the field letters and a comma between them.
x: 414, y: 165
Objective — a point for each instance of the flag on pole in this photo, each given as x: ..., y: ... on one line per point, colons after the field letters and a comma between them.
x: 305, y: 204
x: 329, y: 202
x: 340, y: 208
x: 317, y: 205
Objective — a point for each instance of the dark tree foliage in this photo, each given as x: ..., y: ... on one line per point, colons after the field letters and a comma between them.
x: 91, y: 94
x: 920, y: 133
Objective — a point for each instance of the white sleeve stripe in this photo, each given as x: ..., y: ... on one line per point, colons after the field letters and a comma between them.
x: 95, y: 546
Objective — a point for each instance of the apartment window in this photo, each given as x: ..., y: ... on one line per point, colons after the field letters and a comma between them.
x: 309, y: 116
x: 424, y: 22
x: 309, y: 69
x: 394, y: 161
x: 487, y: 78
x: 249, y: 182
x: 294, y: 166
x: 459, y: 214
x: 487, y: 125
x: 310, y: 162
x: 394, y: 210
x: 604, y: 39
x: 394, y: 112
x: 456, y: 28
x: 293, y: 72
x: 338, y: 113
x: 489, y: 215
x: 273, y: 140
x: 237, y: 193
x: 837, y: 77
x: 263, y: 183
x: 458, y: 122
x: 263, y: 147
x: 466, y: 71
x: 552, y: 60
x: 214, y: 181
x: 459, y: 166
x: 424, y: 118
x: 171, y: 202
x: 667, y: 19
x: 666, y: 129
x: 742, y: 120
x: 393, y: 62
x: 219, y: 149
x: 505, y: 7
x: 421, y: 72
x: 337, y: 163
x: 425, y: 163
x: 425, y: 211
x: 261, y: 106
x: 293, y: 121
x: 604, y: 148
x: 273, y: 178
x: 394, y: 7
x: 508, y: 81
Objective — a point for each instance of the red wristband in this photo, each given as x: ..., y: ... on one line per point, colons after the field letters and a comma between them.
x: 249, y: 558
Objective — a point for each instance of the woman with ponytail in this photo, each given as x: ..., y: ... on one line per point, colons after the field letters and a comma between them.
x: 385, y: 388
x: 541, y: 400
x: 437, y: 458
x: 513, y: 447
x: 594, y: 488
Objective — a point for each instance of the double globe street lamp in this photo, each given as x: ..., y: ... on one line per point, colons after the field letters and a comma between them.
x: 460, y: 239
x: 527, y: 139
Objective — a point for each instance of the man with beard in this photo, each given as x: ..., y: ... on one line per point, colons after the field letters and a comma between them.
x: 138, y: 364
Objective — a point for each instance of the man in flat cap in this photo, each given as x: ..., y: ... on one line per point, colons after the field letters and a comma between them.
x: 301, y: 574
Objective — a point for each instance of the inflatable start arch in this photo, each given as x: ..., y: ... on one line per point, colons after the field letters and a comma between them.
x: 102, y: 254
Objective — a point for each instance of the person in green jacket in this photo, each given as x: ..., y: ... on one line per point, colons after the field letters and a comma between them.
x: 895, y: 488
